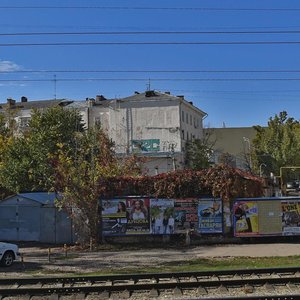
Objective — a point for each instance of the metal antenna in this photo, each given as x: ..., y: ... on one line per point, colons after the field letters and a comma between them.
x: 149, y: 85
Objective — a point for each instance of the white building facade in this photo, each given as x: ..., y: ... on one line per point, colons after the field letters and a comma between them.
x: 152, y: 124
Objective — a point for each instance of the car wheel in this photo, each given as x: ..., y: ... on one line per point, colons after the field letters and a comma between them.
x: 7, y: 259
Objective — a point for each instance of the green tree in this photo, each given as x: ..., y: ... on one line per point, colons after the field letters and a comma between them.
x: 80, y: 177
x: 26, y: 159
x: 278, y: 144
x: 199, y: 152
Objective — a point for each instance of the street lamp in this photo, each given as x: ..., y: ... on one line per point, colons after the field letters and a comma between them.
x: 260, y: 169
x: 247, y: 140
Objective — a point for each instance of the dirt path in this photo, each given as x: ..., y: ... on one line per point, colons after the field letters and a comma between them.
x: 36, y: 258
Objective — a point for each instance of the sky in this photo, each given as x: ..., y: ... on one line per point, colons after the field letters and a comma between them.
x: 239, y: 72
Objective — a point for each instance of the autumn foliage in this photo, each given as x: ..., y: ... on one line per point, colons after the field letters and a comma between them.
x: 218, y: 181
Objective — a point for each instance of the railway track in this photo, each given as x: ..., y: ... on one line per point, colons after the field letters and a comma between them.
x: 281, y: 283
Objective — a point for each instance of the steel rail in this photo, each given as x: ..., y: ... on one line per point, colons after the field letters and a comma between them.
x: 264, y: 297
x: 131, y: 287
x: 156, y: 276
x: 146, y: 287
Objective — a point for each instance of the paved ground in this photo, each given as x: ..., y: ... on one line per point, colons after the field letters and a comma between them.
x: 36, y: 260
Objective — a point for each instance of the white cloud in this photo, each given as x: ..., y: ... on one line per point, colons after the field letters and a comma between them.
x: 8, y: 66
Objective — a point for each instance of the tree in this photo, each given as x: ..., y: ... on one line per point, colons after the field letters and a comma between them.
x: 25, y: 159
x: 199, y: 152
x: 278, y: 144
x: 227, y: 159
x: 80, y: 177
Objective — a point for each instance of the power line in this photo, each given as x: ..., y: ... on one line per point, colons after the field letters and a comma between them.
x: 151, y: 32
x: 152, y: 79
x: 151, y: 43
x: 150, y: 71
x: 203, y: 9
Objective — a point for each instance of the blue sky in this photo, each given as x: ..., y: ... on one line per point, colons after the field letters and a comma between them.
x: 228, y: 102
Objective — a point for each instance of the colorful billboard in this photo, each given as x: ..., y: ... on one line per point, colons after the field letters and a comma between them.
x: 152, y: 145
x: 138, y: 216
x: 162, y: 216
x: 290, y: 217
x: 114, y: 217
x: 126, y: 216
x: 186, y: 214
x: 245, y: 214
x: 210, y: 216
x: 142, y: 215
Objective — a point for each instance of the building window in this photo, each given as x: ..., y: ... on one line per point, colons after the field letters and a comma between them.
x: 191, y: 120
x: 182, y: 116
x: 187, y: 117
x: 97, y: 121
x: 187, y: 136
x: 24, y: 122
x: 182, y: 134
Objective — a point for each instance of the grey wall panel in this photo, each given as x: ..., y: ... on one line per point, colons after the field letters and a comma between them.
x: 8, y: 223
x: 63, y: 228
x: 29, y: 223
x: 48, y: 232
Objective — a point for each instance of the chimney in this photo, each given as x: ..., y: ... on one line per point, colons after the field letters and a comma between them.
x: 100, y: 98
x: 24, y: 99
x: 168, y: 93
x: 181, y: 97
x: 136, y: 92
x: 191, y: 102
x: 11, y: 102
x: 150, y: 94
x: 90, y: 101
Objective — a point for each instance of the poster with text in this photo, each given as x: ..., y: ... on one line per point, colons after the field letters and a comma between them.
x: 138, y: 214
x: 210, y: 216
x: 162, y: 216
x: 186, y: 214
x: 290, y: 217
x: 114, y: 217
x: 245, y: 214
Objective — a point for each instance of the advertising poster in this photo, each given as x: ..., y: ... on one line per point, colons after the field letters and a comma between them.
x: 269, y: 217
x: 162, y: 216
x: 210, y: 216
x: 125, y: 216
x: 245, y: 214
x: 138, y: 216
x: 290, y: 217
x: 114, y: 217
x: 186, y: 214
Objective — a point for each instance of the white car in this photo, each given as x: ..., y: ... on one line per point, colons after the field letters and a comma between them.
x: 8, y: 254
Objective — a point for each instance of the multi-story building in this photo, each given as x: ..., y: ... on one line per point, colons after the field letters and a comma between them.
x: 234, y: 141
x: 21, y: 111
x: 152, y: 124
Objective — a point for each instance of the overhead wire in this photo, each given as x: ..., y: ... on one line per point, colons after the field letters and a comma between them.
x: 151, y: 71
x: 241, y: 32
x: 151, y: 43
x: 152, y: 79
x: 203, y: 9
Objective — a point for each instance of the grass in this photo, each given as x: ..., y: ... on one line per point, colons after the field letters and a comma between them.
x: 208, y: 265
